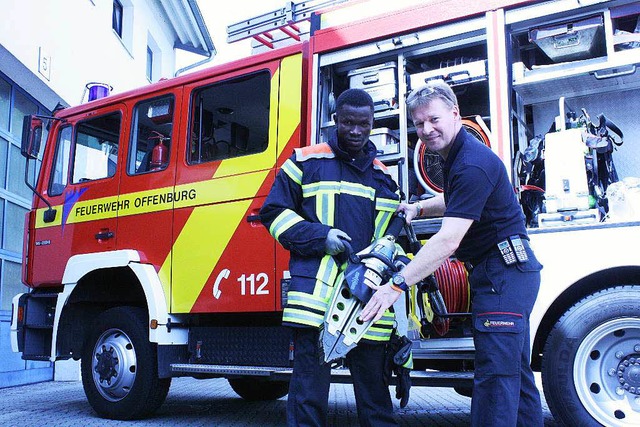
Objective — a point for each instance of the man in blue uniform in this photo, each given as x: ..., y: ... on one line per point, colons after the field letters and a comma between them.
x: 482, y: 224
x: 324, y: 195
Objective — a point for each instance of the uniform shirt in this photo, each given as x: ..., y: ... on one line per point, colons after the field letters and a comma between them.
x: 477, y: 187
x: 318, y: 188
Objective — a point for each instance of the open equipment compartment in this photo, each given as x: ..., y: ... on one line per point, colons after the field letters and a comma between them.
x: 567, y: 71
x: 389, y: 75
x: 456, y: 53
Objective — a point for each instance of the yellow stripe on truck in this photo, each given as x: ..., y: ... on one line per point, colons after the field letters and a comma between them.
x: 160, y: 199
x: 290, y: 99
x: 201, y: 243
x: 199, y: 247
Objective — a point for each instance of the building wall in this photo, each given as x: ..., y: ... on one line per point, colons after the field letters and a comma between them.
x: 49, y: 51
x: 69, y: 43
x: 15, y: 201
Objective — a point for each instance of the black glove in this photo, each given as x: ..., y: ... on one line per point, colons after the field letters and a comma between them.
x: 403, y: 362
x: 399, y: 361
x: 403, y: 385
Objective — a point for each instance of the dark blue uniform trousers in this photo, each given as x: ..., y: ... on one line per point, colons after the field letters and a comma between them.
x: 307, y: 404
x: 504, y: 390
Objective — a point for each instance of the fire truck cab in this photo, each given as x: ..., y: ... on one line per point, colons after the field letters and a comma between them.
x: 146, y: 258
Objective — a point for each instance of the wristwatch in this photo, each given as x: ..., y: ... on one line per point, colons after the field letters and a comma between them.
x: 398, y: 282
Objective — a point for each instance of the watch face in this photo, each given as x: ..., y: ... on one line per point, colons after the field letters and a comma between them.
x: 398, y: 279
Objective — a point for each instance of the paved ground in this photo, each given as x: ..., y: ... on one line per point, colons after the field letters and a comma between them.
x: 211, y: 402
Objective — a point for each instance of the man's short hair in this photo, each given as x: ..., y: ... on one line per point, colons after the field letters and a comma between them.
x: 436, y: 89
x: 355, y: 98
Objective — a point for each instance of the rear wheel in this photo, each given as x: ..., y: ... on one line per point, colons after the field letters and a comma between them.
x: 119, y: 366
x: 253, y: 389
x: 591, y: 361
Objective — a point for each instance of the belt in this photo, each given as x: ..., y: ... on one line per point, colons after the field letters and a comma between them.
x: 512, y: 250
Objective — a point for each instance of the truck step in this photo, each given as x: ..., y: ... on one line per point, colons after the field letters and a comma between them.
x: 339, y: 375
x: 224, y: 370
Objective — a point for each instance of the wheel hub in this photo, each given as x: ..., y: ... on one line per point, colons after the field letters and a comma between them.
x: 628, y: 372
x: 114, y: 365
x: 606, y: 372
x: 106, y: 364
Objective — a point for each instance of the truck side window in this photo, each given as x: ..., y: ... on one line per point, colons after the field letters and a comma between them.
x: 60, y: 173
x: 151, y: 135
x: 230, y: 118
x: 96, y: 149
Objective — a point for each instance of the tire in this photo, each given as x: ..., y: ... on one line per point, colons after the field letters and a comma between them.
x: 119, y: 366
x: 253, y: 389
x: 464, y: 391
x: 591, y: 361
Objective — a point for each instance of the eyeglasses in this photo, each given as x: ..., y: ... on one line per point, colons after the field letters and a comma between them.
x: 420, y: 92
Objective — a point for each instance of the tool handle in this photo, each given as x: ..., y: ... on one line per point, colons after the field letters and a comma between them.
x: 396, y: 224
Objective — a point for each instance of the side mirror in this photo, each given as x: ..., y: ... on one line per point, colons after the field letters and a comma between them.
x: 31, y: 137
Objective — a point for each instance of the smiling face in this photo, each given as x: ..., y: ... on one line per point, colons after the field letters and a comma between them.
x: 437, y: 125
x: 354, y: 126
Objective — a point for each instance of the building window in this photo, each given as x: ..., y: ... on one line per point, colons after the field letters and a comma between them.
x: 122, y: 23
x: 116, y: 17
x: 149, y: 64
x: 15, y: 197
x: 5, y: 105
x: 154, y: 59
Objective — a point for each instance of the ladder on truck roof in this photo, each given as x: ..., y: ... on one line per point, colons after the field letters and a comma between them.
x: 285, y: 20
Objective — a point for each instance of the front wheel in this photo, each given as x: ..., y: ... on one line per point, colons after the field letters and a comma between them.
x: 119, y: 366
x: 591, y: 361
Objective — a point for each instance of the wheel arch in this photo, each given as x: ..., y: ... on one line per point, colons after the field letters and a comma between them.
x: 93, y: 283
x: 623, y: 275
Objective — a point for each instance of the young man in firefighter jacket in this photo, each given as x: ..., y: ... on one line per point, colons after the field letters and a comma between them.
x: 326, y: 194
x: 482, y: 224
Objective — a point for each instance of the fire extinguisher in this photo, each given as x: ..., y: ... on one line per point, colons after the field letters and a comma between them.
x: 160, y: 153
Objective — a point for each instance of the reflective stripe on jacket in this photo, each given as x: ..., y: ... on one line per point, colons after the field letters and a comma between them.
x: 318, y: 188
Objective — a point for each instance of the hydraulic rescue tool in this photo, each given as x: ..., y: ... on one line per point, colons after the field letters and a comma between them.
x: 366, y: 271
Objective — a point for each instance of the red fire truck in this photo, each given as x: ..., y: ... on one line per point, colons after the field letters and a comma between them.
x: 144, y: 253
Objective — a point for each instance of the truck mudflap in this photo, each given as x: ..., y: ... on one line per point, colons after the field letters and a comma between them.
x: 32, y: 324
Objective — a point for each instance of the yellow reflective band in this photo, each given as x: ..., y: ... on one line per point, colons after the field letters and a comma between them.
x: 302, y: 317
x: 381, y: 330
x: 326, y: 277
x: 381, y: 223
x: 307, y: 300
x: 387, y: 204
x: 283, y: 222
x: 334, y: 187
x: 325, y: 208
x: 292, y: 171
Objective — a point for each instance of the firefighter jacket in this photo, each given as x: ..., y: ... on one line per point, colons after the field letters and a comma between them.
x: 318, y: 188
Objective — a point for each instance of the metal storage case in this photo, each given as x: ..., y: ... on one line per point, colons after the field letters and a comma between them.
x: 571, y: 41
x: 380, y: 82
x: 385, y: 141
x: 458, y: 74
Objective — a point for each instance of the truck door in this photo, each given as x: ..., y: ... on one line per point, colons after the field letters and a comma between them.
x: 145, y: 220
x: 82, y: 186
x: 223, y: 257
